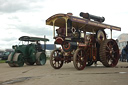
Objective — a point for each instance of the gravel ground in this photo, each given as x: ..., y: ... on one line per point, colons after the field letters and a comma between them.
x: 67, y: 75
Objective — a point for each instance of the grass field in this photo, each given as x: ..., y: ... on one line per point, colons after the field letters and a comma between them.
x: 2, y: 61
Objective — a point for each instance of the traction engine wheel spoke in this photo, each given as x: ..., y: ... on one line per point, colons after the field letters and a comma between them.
x: 56, y: 59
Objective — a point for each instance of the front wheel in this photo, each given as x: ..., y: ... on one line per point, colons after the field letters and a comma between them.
x: 18, y: 60
x: 56, y: 59
x: 9, y: 59
x: 79, y: 59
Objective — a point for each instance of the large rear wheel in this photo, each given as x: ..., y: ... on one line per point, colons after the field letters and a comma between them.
x: 40, y: 58
x: 109, y: 53
x: 56, y: 59
x: 79, y: 59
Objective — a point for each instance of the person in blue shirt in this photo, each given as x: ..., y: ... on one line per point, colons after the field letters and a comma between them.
x: 126, y: 50
x: 123, y: 55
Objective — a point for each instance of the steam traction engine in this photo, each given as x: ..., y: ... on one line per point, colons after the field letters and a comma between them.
x: 83, y: 41
x: 28, y: 52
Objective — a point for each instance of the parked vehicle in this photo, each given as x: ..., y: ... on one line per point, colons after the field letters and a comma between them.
x: 28, y: 53
x: 6, y: 54
x: 1, y: 54
x: 83, y: 41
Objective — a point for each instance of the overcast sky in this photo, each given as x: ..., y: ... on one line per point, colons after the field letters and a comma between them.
x: 27, y: 17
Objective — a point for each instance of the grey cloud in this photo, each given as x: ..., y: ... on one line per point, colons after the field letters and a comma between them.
x: 38, y: 31
x: 9, y: 6
x: 9, y: 39
x: 13, y: 17
x: 7, y: 42
x: 12, y: 6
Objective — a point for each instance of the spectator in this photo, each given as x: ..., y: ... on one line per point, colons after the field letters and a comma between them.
x: 126, y: 50
x: 123, y: 55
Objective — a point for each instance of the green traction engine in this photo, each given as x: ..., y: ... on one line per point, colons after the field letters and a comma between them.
x: 29, y: 53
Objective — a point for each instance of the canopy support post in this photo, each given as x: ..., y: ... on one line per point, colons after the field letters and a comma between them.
x: 111, y: 33
x: 53, y: 28
x: 66, y: 20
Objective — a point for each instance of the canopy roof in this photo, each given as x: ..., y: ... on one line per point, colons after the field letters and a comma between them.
x: 79, y: 23
x: 32, y: 39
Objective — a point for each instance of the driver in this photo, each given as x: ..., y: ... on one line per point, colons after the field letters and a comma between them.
x: 39, y: 46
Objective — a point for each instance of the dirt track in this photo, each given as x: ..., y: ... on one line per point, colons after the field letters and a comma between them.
x: 67, y: 75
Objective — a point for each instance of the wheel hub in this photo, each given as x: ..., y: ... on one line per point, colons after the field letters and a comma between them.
x: 82, y: 59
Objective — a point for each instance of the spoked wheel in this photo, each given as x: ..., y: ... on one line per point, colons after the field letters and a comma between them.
x: 56, y: 59
x: 79, y: 59
x: 109, y: 53
x: 9, y: 59
x: 18, y: 60
x: 40, y: 58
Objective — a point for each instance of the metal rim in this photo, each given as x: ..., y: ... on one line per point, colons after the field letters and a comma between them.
x: 79, y: 59
x: 109, y: 53
x: 9, y: 59
x: 18, y: 58
x: 101, y: 36
x: 56, y: 59
x: 40, y: 58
